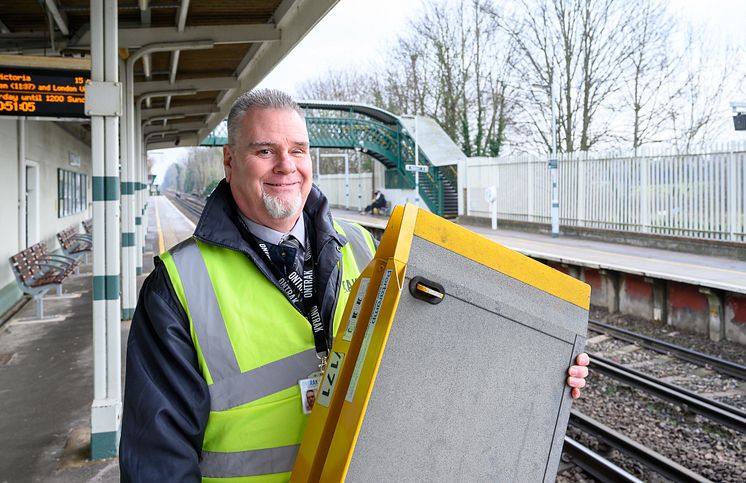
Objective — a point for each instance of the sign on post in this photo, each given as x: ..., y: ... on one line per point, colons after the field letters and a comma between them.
x: 416, y: 168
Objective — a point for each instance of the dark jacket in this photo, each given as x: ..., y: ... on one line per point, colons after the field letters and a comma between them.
x: 166, y: 400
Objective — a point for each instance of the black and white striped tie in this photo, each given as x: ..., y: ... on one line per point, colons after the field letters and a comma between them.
x: 291, y: 255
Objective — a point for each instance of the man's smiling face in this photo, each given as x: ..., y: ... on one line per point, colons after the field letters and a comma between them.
x: 269, y: 167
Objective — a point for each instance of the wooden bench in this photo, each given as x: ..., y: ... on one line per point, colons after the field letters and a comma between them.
x: 37, y: 272
x: 63, y: 262
x: 75, y: 244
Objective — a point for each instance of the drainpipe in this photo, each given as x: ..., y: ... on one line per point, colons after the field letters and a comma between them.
x: 21, y: 183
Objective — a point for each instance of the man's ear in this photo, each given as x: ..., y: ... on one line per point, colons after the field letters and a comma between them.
x: 227, y: 161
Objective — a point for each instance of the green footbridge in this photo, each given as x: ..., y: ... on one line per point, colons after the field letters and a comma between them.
x: 390, y: 140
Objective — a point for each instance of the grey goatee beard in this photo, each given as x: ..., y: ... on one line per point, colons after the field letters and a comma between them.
x: 280, y: 209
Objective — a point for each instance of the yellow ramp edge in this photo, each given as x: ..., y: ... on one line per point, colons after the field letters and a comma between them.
x: 347, y: 343
x: 333, y: 428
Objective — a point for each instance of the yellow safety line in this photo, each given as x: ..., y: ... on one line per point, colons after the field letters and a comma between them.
x: 161, y: 247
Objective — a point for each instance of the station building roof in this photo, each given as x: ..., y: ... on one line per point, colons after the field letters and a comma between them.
x: 248, y: 39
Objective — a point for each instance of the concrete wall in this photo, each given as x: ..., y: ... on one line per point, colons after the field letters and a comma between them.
x: 715, y: 314
x: 735, y: 318
x: 636, y: 296
x: 333, y: 186
x: 688, y: 308
x: 50, y: 145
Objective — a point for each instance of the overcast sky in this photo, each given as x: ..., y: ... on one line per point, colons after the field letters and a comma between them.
x: 356, y: 34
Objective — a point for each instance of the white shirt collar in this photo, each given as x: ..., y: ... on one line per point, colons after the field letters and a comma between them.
x: 275, y: 237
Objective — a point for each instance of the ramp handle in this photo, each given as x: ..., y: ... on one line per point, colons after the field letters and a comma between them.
x: 427, y: 290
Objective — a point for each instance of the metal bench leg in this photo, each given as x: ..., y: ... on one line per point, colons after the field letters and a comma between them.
x: 39, y: 305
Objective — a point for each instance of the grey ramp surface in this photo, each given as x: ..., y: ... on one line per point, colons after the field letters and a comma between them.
x: 463, y: 392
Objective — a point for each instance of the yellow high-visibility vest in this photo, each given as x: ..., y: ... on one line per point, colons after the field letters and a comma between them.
x: 253, y: 347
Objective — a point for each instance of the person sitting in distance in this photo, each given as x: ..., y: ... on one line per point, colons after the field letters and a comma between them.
x: 379, y: 201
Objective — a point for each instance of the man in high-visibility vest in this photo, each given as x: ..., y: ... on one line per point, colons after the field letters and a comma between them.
x: 233, y: 326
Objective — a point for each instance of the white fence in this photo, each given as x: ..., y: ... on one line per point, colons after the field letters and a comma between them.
x: 694, y: 195
x: 360, y: 189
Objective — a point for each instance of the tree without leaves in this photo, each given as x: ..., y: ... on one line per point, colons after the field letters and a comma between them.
x: 337, y: 85
x: 202, y: 167
x: 704, y: 79
x: 650, y: 70
x: 466, y: 90
x: 578, y: 44
x: 620, y: 78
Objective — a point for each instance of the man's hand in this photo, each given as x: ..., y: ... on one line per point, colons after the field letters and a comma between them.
x: 577, y: 374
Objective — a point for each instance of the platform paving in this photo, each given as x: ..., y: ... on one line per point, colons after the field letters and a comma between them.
x: 46, y: 375
x: 702, y: 270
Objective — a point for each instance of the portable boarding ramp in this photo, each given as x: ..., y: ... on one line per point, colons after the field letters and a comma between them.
x: 449, y: 365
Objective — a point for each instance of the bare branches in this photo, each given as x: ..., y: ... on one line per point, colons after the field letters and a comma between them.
x: 484, y: 70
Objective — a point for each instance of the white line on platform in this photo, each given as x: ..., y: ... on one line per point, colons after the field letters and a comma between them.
x: 33, y: 321
x: 63, y: 296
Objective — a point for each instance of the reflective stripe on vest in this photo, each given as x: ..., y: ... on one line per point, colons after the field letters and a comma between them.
x: 358, y: 242
x: 244, y: 463
x: 231, y: 387
x: 203, y: 307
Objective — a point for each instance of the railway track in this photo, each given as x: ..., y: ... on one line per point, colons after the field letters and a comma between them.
x: 725, y: 367
x: 192, y: 204
x: 658, y: 406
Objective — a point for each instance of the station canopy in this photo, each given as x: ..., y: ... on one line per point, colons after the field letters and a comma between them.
x: 205, y: 52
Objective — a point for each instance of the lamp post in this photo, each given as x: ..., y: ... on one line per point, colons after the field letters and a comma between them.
x: 739, y: 115
x: 416, y: 163
x: 416, y: 159
x: 317, y: 171
x: 553, y: 175
x: 552, y: 164
x: 358, y: 157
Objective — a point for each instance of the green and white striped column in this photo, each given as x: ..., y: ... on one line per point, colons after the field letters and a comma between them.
x: 129, y: 243
x: 129, y: 210
x: 106, y: 408
x: 139, y: 197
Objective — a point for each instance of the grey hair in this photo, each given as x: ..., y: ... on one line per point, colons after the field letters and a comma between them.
x: 258, y: 98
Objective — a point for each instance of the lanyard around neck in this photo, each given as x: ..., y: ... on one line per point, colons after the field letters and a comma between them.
x: 300, y: 289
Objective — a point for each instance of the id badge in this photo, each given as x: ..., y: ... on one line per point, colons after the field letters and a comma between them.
x: 309, y: 389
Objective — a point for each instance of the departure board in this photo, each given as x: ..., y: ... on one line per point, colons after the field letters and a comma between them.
x: 42, y: 92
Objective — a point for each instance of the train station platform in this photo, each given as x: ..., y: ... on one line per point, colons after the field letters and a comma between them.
x: 46, y: 368
x: 46, y: 374
x: 701, y: 270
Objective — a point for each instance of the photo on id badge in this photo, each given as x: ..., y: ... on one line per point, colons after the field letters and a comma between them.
x: 308, y: 389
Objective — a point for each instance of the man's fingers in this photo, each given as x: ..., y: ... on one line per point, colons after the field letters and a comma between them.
x: 575, y: 393
x: 578, y: 371
x: 577, y: 382
x: 582, y: 359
